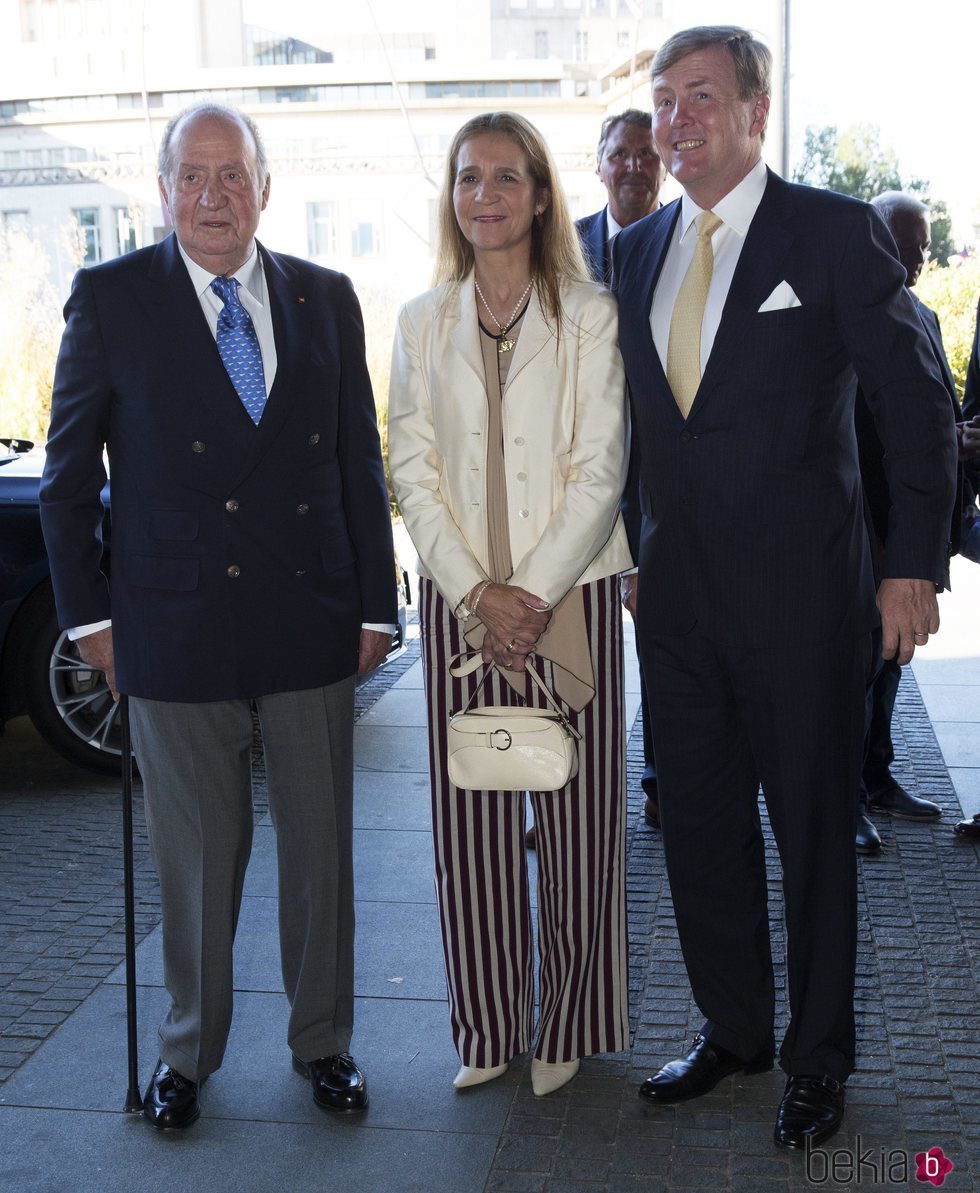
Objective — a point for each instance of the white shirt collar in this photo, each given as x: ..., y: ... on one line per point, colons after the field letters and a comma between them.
x: 249, y: 275
x: 737, y: 208
x: 612, y: 226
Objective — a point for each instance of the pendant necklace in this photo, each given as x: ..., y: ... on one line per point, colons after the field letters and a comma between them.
x: 504, y: 343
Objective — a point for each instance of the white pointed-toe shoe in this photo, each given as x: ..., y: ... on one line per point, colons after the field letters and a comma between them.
x: 468, y: 1075
x: 545, y: 1078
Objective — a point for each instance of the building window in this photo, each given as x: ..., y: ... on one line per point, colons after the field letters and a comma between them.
x: 14, y: 221
x: 581, y: 46
x: 623, y: 39
x: 90, y: 233
x: 541, y: 43
x: 129, y: 229
x: 365, y: 228
x: 321, y: 227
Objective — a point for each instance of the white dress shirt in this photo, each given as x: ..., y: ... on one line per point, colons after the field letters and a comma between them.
x: 736, y: 211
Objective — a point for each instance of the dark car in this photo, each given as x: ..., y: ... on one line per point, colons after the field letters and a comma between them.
x: 41, y: 672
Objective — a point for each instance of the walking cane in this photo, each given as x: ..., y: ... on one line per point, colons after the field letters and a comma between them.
x: 134, y: 1103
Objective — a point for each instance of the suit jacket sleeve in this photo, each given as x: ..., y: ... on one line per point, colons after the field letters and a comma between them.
x: 74, y: 472
x: 365, y: 490
x: 911, y: 408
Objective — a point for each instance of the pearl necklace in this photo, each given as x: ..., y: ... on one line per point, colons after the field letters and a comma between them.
x: 503, y: 343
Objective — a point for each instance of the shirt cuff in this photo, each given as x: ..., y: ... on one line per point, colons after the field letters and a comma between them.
x: 378, y: 627
x: 83, y: 631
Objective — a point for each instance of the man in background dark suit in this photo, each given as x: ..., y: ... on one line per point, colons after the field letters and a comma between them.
x: 632, y: 173
x: 746, y: 308
x: 252, y: 566
x: 629, y: 165
x: 969, y: 443
x: 907, y: 219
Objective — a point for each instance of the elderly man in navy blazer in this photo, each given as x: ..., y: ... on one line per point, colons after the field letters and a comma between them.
x: 746, y: 309
x: 252, y: 568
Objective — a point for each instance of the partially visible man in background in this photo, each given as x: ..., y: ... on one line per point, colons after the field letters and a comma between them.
x: 632, y: 172
x: 908, y: 221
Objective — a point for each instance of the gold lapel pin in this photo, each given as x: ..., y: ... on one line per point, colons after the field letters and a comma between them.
x: 300, y: 298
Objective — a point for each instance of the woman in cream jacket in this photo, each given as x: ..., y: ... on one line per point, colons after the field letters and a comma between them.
x: 507, y: 447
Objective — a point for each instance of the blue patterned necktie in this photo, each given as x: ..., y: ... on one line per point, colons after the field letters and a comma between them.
x: 238, y: 346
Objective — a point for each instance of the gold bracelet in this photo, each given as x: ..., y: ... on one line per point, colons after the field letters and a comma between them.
x: 471, y: 610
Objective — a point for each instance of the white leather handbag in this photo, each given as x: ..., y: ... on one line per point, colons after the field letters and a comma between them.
x: 496, y: 748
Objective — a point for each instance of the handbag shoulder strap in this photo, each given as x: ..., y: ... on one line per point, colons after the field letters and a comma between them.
x: 466, y: 666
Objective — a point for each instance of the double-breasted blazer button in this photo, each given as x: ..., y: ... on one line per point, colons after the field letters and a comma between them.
x: 519, y: 440
x: 314, y: 439
x: 525, y: 513
x: 197, y: 446
x: 522, y: 476
x: 302, y: 508
x: 234, y: 571
x: 301, y: 572
x: 231, y: 505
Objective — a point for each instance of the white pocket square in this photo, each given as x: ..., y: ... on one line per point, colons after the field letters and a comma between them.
x: 781, y: 299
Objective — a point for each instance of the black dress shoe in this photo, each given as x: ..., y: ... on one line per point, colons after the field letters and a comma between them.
x: 866, y: 839
x: 968, y: 828
x: 171, y: 1102
x: 338, y: 1084
x: 812, y: 1108
x: 651, y: 813
x: 531, y: 837
x: 901, y: 803
x: 700, y: 1071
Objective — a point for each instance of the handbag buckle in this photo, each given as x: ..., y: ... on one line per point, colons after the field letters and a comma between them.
x: 505, y: 735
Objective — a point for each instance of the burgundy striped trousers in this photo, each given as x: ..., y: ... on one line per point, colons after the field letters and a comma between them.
x: 481, y: 872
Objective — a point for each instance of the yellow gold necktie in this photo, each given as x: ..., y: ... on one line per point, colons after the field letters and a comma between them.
x: 684, y: 343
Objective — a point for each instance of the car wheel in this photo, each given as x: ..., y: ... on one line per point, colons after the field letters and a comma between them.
x: 68, y: 701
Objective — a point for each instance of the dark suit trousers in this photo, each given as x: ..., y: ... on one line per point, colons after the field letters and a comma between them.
x: 724, y: 721
x: 195, y: 762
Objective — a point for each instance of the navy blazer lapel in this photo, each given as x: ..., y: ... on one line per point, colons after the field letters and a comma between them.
x: 595, y: 244
x: 645, y: 244
x: 184, y: 333
x: 761, y: 266
x: 291, y: 304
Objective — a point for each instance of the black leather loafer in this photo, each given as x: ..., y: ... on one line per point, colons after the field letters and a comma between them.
x: 812, y: 1108
x: 698, y: 1072
x: 338, y: 1084
x: 171, y: 1102
x: 866, y: 839
x: 968, y: 829
x: 896, y: 801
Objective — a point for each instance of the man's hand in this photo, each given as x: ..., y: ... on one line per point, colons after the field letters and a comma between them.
x: 628, y: 587
x: 372, y: 651
x: 515, y: 619
x: 968, y: 438
x: 96, y: 650
x: 909, y: 614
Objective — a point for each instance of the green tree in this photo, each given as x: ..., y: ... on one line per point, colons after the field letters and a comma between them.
x: 854, y: 163
x: 30, y: 319
x: 953, y: 295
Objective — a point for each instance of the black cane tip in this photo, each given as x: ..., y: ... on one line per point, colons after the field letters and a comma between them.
x: 134, y: 1103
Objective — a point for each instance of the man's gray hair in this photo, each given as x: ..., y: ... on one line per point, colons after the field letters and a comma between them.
x: 634, y: 117
x: 891, y: 203
x: 165, y: 162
